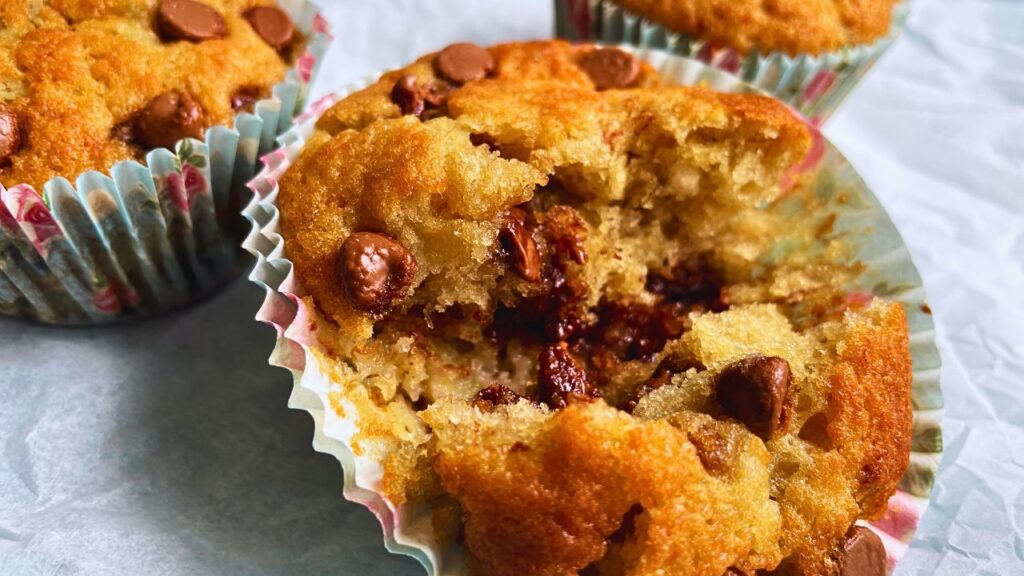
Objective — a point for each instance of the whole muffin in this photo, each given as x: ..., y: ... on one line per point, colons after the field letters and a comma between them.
x: 87, y: 87
x: 808, y: 53
x: 789, y: 26
x: 87, y: 83
x: 536, y: 280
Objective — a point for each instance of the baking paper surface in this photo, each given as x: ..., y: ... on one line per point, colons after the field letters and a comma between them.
x: 167, y: 448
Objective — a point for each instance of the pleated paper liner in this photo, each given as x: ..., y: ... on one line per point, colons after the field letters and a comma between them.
x: 143, y: 239
x: 815, y: 85
x: 860, y: 219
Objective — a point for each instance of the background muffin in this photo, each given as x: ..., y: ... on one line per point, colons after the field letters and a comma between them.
x: 790, y: 26
x: 809, y: 54
x: 86, y: 84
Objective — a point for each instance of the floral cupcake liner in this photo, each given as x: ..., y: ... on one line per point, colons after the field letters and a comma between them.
x: 814, y: 85
x: 888, y: 271
x: 146, y: 238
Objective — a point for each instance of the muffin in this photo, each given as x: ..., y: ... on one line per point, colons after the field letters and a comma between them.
x: 809, y: 54
x: 86, y: 84
x: 535, y: 278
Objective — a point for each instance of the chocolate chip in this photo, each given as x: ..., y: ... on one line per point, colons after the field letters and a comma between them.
x: 168, y: 118
x: 567, y: 232
x: 124, y: 131
x: 10, y: 134
x: 245, y: 98
x: 434, y: 95
x: 557, y: 312
x: 733, y: 571
x: 861, y: 554
x: 692, y: 282
x: 493, y: 396
x: 519, y: 246
x: 376, y: 271
x: 634, y: 330
x: 464, y: 62
x: 610, y: 68
x: 188, y: 20
x: 415, y: 99
x: 272, y: 25
x: 561, y: 379
x: 754, y: 391
x: 406, y: 95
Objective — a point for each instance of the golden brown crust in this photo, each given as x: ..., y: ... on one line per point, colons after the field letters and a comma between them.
x: 868, y: 414
x: 871, y: 404
x: 74, y: 69
x: 542, y: 494
x: 790, y: 26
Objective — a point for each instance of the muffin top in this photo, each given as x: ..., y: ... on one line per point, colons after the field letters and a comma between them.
x: 438, y: 163
x: 538, y: 278
x: 789, y: 26
x: 87, y: 83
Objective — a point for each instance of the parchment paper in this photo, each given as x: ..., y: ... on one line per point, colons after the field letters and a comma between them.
x: 166, y: 447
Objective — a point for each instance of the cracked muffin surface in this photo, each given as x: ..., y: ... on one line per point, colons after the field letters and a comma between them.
x: 87, y: 83
x: 538, y: 278
x: 790, y: 26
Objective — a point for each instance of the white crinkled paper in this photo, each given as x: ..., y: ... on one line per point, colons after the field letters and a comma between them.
x: 166, y: 447
x: 936, y: 134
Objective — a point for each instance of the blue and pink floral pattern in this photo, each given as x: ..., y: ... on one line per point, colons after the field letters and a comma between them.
x: 146, y: 238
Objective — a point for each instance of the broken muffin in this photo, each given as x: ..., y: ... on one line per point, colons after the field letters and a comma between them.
x: 537, y: 277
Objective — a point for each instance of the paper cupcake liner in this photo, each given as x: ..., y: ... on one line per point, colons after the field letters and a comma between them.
x: 888, y: 272
x: 815, y: 85
x: 146, y: 239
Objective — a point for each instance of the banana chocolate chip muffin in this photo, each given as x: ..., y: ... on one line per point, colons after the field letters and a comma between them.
x: 808, y: 53
x: 790, y: 26
x: 536, y: 281
x: 87, y: 83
